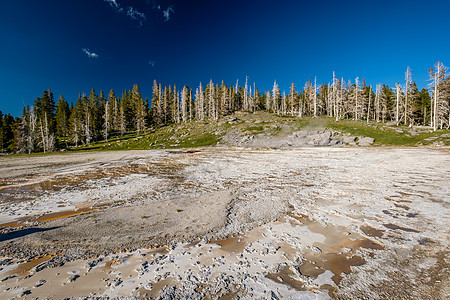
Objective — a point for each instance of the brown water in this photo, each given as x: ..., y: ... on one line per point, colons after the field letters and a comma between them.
x: 396, y: 227
x: 370, y: 231
x: 332, y: 256
x: 64, y: 214
x: 285, y: 276
x: 234, y: 244
x: 27, y: 266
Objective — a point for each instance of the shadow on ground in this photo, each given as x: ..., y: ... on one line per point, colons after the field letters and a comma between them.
x: 20, y: 233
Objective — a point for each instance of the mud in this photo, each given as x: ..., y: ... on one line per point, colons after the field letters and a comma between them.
x: 314, y: 223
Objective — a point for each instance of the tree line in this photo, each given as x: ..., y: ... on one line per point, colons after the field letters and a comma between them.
x: 48, y: 126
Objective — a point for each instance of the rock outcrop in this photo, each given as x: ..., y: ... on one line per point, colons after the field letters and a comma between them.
x: 302, y: 138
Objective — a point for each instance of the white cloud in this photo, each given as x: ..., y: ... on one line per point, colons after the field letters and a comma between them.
x: 115, y: 5
x: 130, y: 12
x: 89, y: 53
x: 167, y: 13
x: 151, y: 63
x: 136, y: 15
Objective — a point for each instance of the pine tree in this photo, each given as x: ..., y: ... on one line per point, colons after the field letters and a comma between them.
x: 7, y: 129
x: 113, y: 110
x: 127, y: 112
x: 138, y: 108
x: 387, y: 97
x: 415, y: 108
x: 62, y: 117
x: 75, y: 121
x: 106, y: 121
x: 45, y: 107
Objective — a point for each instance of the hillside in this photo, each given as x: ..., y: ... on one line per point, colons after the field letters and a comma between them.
x: 243, y: 126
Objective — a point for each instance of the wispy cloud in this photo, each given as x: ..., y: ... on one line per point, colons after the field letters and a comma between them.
x: 151, y: 63
x: 131, y: 12
x: 167, y: 12
x: 89, y: 53
x: 136, y: 15
x: 115, y: 5
x: 154, y: 4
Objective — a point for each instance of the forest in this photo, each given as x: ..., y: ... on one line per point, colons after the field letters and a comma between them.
x: 49, y: 126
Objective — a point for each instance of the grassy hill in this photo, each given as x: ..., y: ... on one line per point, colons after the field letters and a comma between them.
x: 208, y: 133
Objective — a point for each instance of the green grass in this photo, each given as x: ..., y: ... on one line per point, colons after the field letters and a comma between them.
x: 387, y: 136
x: 254, y: 129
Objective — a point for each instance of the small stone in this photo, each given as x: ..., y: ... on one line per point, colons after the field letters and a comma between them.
x: 39, y: 283
x: 73, y: 278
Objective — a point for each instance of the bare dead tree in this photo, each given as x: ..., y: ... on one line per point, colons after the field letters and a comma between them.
x: 397, y: 104
x: 408, y: 79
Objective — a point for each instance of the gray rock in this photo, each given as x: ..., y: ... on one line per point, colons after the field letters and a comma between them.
x: 365, y: 141
x: 39, y: 283
x: 348, y: 139
x: 334, y: 142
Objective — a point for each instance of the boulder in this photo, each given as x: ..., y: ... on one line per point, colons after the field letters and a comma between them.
x: 365, y: 141
x: 348, y: 139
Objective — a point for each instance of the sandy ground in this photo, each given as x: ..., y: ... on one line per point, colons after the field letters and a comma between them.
x: 309, y: 223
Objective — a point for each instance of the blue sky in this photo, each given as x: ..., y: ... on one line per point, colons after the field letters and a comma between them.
x: 72, y: 46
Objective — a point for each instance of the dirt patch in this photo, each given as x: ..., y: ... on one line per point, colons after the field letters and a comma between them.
x: 129, y: 227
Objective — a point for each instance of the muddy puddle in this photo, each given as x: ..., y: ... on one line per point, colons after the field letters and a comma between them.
x: 65, y: 214
x: 337, y: 254
x: 370, y: 231
x: 26, y: 267
x: 288, y: 277
x: 396, y: 227
x: 232, y: 244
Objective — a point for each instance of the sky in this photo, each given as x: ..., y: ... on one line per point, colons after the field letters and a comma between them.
x: 72, y: 46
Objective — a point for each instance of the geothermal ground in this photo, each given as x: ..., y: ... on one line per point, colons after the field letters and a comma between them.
x: 223, y: 223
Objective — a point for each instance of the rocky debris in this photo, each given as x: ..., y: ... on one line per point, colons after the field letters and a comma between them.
x: 302, y: 138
